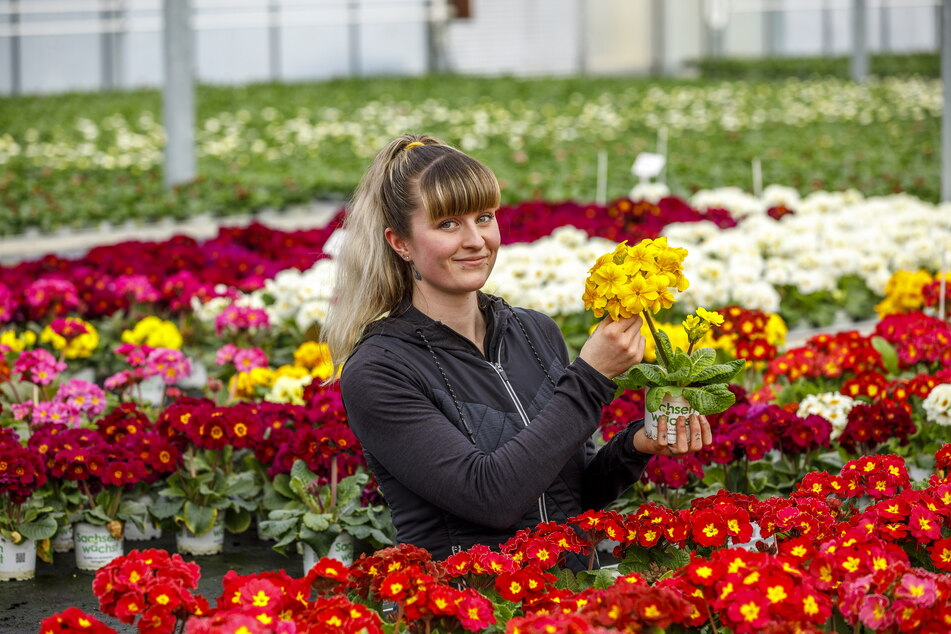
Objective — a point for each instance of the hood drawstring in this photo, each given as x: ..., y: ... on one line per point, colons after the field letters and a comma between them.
x: 538, y: 360
x: 452, y: 393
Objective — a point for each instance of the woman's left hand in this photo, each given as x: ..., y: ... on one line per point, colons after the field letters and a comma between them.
x: 692, y: 436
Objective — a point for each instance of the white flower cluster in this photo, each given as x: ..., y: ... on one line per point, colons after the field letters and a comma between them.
x: 547, y: 275
x: 938, y: 405
x: 830, y: 235
x: 832, y: 406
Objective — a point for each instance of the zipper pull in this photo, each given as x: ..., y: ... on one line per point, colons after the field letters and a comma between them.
x: 500, y: 370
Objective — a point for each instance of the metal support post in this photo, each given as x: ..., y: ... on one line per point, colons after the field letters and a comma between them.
x: 178, y: 93
x: 859, y: 40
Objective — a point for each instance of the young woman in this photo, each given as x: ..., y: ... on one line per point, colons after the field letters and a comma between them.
x: 472, y: 417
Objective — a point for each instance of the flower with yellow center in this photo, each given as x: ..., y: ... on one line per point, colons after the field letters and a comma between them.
x: 80, y: 347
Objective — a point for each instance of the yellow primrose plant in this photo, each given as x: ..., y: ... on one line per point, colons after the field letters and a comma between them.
x: 642, y: 279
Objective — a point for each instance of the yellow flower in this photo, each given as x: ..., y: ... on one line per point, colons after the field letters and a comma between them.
x: 710, y: 316
x: 80, y: 347
x: 610, y: 279
x: 903, y: 292
x: 639, y: 295
x: 632, y: 279
x: 776, y: 330
x: 18, y: 343
x: 311, y: 354
x: 154, y: 332
x: 288, y: 389
x: 293, y: 371
x: 243, y: 384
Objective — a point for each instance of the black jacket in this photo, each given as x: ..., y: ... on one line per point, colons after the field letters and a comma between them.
x: 444, y: 436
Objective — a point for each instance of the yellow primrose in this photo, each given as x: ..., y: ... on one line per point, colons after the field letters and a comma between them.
x: 710, y: 316
x: 154, y: 332
x: 242, y: 384
x: 80, y: 347
x: 311, y: 354
x: 293, y: 371
x: 18, y: 343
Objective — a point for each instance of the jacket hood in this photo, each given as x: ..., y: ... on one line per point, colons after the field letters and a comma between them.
x: 408, y: 322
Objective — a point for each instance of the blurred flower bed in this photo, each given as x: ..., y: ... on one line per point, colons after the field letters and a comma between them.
x: 190, y: 376
x: 80, y: 160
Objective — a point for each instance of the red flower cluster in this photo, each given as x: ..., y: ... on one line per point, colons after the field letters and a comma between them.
x: 917, y: 338
x: 746, y: 328
x: 617, y: 415
x: 74, y: 621
x: 406, y: 575
x: 750, y: 591
x: 151, y: 586
x: 826, y: 356
x: 22, y: 470
x: 110, y: 278
x: 872, y: 424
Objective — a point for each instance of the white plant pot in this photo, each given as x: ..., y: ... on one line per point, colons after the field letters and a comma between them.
x: 342, y: 549
x: 95, y: 547
x: 132, y: 532
x: 150, y: 531
x: 63, y: 540
x: 17, y: 561
x: 672, y: 407
x: 211, y: 543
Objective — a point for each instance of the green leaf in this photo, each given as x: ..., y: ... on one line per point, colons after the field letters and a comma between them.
x: 636, y: 559
x: 165, y: 508
x: 281, y: 484
x: 671, y: 557
x: 43, y: 528
x: 655, y: 395
x: 701, y: 359
x: 889, y: 355
x: 316, y: 522
x: 680, y: 366
x: 709, y: 399
x: 237, y: 520
x: 643, y: 375
x: 600, y: 579
x: 663, y: 341
x: 719, y: 373
x: 196, y: 518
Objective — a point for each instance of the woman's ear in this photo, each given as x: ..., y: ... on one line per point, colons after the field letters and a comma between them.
x: 398, y: 244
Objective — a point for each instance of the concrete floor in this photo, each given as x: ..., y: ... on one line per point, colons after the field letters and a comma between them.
x: 57, y: 586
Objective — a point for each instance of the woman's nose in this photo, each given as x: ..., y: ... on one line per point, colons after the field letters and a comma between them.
x: 472, y: 235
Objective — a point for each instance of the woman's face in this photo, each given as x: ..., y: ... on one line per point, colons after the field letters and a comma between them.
x: 453, y: 254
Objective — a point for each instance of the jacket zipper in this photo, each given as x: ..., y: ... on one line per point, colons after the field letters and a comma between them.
x: 497, y: 366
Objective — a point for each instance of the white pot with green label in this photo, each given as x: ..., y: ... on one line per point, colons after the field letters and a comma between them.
x: 17, y: 561
x: 95, y: 546
x: 342, y: 549
x: 210, y: 543
x: 672, y: 407
x: 63, y: 540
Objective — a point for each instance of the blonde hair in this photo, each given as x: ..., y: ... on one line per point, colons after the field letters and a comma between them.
x: 412, y: 172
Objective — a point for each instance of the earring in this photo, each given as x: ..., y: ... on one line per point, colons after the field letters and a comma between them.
x: 415, y: 272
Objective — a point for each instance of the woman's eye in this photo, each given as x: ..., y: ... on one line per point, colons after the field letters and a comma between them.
x: 447, y: 224
x: 486, y: 218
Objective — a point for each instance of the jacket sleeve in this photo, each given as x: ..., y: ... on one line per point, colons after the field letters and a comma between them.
x: 617, y: 465
x: 395, y: 420
x: 613, y: 468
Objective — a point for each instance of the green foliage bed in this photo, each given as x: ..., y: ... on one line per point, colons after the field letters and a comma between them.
x: 77, y: 160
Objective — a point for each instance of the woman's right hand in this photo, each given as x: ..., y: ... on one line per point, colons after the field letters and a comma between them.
x: 615, y: 346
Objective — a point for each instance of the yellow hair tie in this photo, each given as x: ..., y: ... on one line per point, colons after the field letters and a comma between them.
x: 413, y: 144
